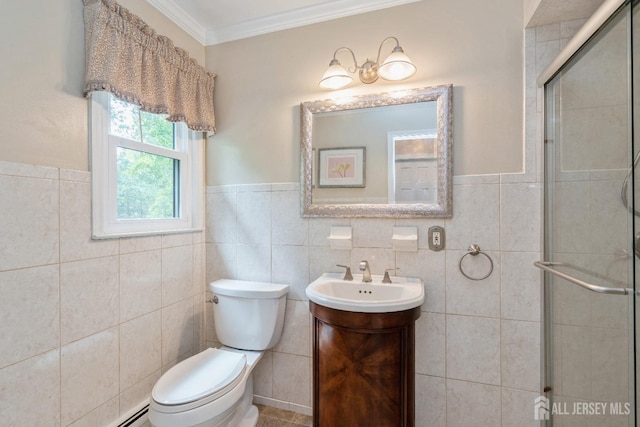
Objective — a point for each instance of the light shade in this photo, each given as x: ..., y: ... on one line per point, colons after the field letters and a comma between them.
x: 397, y: 66
x: 336, y: 77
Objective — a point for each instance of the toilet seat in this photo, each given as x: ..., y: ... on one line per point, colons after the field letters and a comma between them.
x: 198, y: 380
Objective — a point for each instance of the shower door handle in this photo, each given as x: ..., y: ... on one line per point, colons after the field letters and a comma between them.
x: 548, y: 266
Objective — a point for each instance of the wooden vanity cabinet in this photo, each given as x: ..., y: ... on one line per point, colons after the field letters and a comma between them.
x: 363, y: 368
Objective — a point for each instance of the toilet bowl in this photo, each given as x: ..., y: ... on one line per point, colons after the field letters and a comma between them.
x: 214, y: 388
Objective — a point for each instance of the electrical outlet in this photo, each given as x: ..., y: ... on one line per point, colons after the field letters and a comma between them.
x: 436, y: 238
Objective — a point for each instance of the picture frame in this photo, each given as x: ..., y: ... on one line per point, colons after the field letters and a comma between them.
x: 343, y: 167
x: 314, y: 167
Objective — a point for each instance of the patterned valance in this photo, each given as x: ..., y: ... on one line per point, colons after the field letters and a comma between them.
x: 126, y: 57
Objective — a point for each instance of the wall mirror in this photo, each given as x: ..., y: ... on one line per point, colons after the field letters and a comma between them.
x: 385, y: 155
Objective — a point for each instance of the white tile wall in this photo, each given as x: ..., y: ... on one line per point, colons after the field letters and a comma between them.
x: 472, y: 335
x: 86, y: 327
x: 89, y: 374
x: 29, y: 221
x: 30, y: 392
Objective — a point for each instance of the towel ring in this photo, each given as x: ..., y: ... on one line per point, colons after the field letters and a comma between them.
x: 473, y: 251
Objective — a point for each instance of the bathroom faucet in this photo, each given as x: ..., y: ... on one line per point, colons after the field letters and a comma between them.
x: 366, y: 275
x: 347, y: 272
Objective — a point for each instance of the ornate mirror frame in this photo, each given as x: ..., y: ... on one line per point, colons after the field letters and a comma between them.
x: 443, y: 208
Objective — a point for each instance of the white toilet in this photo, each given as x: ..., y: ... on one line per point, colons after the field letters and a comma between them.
x: 214, y: 387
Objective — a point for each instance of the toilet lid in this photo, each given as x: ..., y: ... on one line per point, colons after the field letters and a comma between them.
x: 198, y: 376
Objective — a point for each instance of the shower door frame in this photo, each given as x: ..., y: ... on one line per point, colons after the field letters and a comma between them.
x: 601, y: 17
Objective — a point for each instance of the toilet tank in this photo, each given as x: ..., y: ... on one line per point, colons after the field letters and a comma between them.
x: 248, y: 315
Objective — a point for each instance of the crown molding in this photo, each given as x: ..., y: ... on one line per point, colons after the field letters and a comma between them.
x: 175, y: 13
x: 268, y: 24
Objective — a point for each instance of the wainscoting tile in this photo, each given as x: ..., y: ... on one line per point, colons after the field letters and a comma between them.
x: 295, y: 336
x: 177, y: 331
x: 324, y: 260
x: 221, y: 217
x: 221, y: 261
x: 372, y: 233
x: 140, y: 283
x: 518, y: 407
x: 89, y: 374
x: 140, y: 342
x: 177, y: 274
x: 254, y: 263
x: 75, y: 225
x: 476, y: 217
x: 521, y: 217
x: 430, y: 267
x: 473, y: 297
x: 473, y: 349
x: 30, y: 392
x: 287, y: 226
x: 292, y: 378
x: 320, y: 229
x: 101, y: 416
x: 263, y: 376
x: 28, y: 222
x: 290, y: 265
x: 473, y: 404
x: 520, y: 344
x: 254, y: 217
x: 89, y: 297
x: 431, y: 401
x: 521, y: 290
x: 29, y: 319
x: 430, y: 345
x: 139, y: 392
x: 139, y: 244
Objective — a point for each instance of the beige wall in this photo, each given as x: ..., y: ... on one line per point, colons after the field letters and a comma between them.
x: 476, y: 46
x: 43, y: 115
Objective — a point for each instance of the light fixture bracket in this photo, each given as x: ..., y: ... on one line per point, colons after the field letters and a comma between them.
x: 368, y: 72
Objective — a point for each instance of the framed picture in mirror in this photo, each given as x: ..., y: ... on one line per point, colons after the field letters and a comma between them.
x: 342, y: 167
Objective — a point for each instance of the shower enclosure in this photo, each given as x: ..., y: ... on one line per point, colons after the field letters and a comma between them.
x: 592, y: 224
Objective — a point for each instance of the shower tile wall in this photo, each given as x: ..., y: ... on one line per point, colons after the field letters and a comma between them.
x: 86, y: 327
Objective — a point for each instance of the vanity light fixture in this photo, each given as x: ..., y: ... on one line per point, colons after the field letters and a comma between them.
x: 397, y: 66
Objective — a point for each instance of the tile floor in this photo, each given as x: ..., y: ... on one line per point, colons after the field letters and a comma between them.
x: 274, y: 417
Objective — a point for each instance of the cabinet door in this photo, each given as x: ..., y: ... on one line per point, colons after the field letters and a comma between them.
x: 359, y: 377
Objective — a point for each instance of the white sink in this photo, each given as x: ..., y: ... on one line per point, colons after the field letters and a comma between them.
x: 330, y: 290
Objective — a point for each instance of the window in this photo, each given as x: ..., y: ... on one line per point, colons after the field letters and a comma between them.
x: 147, y: 171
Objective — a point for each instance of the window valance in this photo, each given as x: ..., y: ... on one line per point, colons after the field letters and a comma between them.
x: 126, y: 57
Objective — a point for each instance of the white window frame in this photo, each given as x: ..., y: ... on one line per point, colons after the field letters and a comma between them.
x: 188, y: 150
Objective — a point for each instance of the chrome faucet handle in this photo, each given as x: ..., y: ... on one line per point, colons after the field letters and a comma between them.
x: 386, y: 278
x: 364, y: 267
x: 347, y: 273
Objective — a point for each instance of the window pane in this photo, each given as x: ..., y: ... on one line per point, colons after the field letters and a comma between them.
x: 124, y: 120
x: 156, y: 130
x: 146, y: 185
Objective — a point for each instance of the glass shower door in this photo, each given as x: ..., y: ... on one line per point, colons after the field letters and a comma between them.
x: 590, y: 359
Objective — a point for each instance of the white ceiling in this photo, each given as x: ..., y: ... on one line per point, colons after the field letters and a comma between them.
x: 218, y: 21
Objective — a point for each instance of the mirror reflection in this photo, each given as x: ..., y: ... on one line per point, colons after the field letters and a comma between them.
x: 378, y: 155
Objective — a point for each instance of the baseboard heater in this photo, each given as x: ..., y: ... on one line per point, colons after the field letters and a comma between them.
x: 136, y: 419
